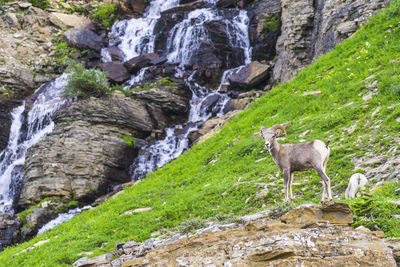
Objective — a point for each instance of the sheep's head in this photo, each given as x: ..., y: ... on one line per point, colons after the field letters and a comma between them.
x: 270, y: 134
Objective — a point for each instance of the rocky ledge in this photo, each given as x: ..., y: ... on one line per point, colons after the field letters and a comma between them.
x: 94, y: 142
x: 309, y: 235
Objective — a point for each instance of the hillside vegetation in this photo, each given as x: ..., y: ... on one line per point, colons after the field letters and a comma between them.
x: 217, y: 179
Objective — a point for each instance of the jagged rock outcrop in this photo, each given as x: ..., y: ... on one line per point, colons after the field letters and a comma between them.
x: 93, y: 144
x: 312, y: 28
x: 309, y: 235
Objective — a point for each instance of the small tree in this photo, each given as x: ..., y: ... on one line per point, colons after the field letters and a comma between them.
x: 86, y: 82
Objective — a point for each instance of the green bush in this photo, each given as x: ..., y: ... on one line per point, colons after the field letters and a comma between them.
x: 106, y: 15
x: 86, y: 82
x: 272, y: 24
x: 40, y: 3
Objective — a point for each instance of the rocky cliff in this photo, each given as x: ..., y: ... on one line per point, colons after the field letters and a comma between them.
x: 309, y: 235
x: 312, y: 28
x: 94, y: 142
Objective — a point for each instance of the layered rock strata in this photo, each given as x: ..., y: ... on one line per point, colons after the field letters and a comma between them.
x: 94, y: 142
x: 310, y: 235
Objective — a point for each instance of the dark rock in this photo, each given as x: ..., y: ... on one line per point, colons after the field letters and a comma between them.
x: 250, y: 76
x: 116, y: 71
x: 185, y: 7
x: 9, y: 230
x: 6, y: 105
x: 115, y: 53
x: 135, y: 64
x: 227, y: 3
x: 264, y: 28
x: 83, y: 38
x: 138, y: 6
x: 209, y: 102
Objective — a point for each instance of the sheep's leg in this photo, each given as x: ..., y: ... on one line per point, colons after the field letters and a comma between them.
x: 326, y: 184
x: 290, y: 186
x: 323, y: 191
x: 286, y: 180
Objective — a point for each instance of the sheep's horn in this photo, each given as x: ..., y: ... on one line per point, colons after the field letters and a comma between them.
x: 279, y: 129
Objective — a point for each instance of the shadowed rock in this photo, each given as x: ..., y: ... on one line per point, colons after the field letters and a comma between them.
x: 83, y: 38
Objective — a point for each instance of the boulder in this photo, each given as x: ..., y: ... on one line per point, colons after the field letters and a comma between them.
x: 308, y: 214
x: 250, y: 76
x: 115, y: 53
x: 9, y: 230
x: 83, y: 38
x: 40, y: 217
x: 67, y: 21
x: 135, y: 64
x: 116, y: 71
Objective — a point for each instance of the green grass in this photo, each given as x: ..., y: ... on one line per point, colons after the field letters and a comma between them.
x: 214, y: 179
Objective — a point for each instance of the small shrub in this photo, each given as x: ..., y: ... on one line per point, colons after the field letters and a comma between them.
x: 106, y: 15
x: 40, y: 3
x: 272, y: 24
x: 86, y: 82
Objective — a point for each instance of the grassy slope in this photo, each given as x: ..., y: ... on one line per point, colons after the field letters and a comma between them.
x: 203, y: 182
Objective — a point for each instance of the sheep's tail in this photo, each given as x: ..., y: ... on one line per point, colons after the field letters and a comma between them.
x: 327, y: 143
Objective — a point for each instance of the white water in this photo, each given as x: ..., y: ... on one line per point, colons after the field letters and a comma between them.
x: 62, y: 217
x: 187, y: 36
x: 136, y: 37
x: 27, y: 130
x: 136, y: 34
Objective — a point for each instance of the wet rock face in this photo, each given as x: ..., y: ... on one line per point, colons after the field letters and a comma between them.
x: 264, y: 28
x: 312, y: 28
x: 260, y: 241
x: 9, y: 230
x: 214, y: 52
x: 88, y: 153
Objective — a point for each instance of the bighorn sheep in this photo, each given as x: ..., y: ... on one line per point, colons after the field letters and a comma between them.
x: 357, y: 183
x: 293, y: 157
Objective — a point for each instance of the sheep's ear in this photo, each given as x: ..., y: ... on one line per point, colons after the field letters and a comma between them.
x: 257, y: 135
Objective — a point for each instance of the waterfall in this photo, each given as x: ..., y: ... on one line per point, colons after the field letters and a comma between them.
x: 136, y: 36
x: 26, y: 130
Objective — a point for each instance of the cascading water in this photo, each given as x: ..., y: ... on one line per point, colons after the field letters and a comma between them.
x: 136, y: 36
x: 26, y: 130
